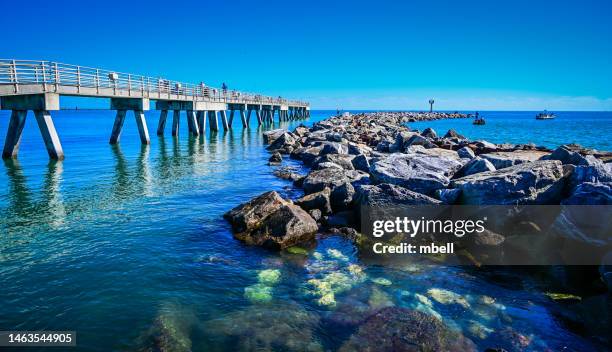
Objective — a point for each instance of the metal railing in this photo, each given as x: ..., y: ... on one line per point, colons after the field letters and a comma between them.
x: 51, y: 75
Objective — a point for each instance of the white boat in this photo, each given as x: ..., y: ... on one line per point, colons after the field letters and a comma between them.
x: 545, y: 115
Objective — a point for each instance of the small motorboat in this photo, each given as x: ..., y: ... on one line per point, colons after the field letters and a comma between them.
x: 478, y: 120
x: 545, y: 115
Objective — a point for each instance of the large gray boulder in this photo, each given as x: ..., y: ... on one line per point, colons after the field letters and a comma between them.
x: 361, y: 162
x: 248, y: 216
x: 595, y: 172
x: 466, y: 153
x: 538, y: 182
x: 307, y: 154
x: 567, y: 156
x: 418, y: 172
x: 284, y: 140
x: 474, y: 166
x: 505, y: 159
x: 419, y: 140
x: 343, y: 160
x: 429, y: 133
x: 385, y: 195
x: 342, y: 197
x: 334, y: 148
x: 589, y: 193
x: 271, y: 136
x: 317, y: 180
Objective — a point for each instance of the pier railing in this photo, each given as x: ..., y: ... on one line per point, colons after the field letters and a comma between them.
x: 50, y: 75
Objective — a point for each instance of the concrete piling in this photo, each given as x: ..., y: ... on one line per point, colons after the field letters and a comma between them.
x: 13, y: 135
x: 176, y: 117
x: 213, y: 122
x: 162, y: 122
x: 49, y: 134
x: 226, y: 126
x: 117, y: 126
x: 142, y: 126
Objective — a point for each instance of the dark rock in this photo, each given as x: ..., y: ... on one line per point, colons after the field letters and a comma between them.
x: 418, y: 140
x: 342, y: 196
x: 334, y: 148
x: 319, y: 200
x: 538, y: 182
x: 249, y: 215
x: 301, y: 131
x: 429, y: 133
x: 386, y: 195
x: 318, y: 180
x: 418, y: 172
x: 394, y: 329
x: 287, y: 174
x: 448, y: 196
x: 270, y: 136
x: 307, y: 154
x: 276, y: 158
x: 453, y: 134
x: 590, y: 193
x: 484, y: 147
x: 358, y: 149
x: 361, y: 162
x: 466, y: 153
x: 567, y: 156
x: 596, y: 172
x: 341, y: 219
x: 283, y: 141
x: 343, y: 160
x: 325, y: 165
x: 288, y: 226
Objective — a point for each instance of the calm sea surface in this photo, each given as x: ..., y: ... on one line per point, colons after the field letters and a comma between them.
x: 122, y: 243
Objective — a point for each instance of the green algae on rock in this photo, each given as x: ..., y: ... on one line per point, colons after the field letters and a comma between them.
x: 258, y: 293
x: 447, y: 297
x: 269, y: 277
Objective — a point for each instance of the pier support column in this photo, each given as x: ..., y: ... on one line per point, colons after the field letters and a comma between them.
x: 192, y: 122
x: 117, y: 126
x: 202, y: 121
x: 245, y: 122
x: 231, y: 119
x: 142, y: 126
x: 226, y: 126
x: 176, y: 116
x: 258, y: 114
x: 13, y: 135
x: 248, y: 118
x: 212, y: 120
x: 49, y: 134
x: 162, y: 122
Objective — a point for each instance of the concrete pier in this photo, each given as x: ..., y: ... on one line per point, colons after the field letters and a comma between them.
x: 37, y: 86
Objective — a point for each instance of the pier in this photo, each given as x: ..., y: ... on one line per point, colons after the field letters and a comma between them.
x: 38, y: 85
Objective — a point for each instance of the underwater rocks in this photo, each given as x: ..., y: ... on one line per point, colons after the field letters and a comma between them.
x: 272, y: 222
x: 282, y: 327
x: 538, y: 182
x: 401, y: 329
x: 170, y: 331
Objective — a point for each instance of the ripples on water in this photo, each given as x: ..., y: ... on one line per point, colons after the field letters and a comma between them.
x: 127, y: 246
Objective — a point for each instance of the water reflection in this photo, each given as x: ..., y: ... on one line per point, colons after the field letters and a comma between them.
x: 23, y: 208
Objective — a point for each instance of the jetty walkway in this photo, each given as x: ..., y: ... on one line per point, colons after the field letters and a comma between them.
x: 38, y: 85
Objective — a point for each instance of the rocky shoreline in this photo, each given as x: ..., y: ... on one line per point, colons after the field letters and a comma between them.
x: 375, y: 159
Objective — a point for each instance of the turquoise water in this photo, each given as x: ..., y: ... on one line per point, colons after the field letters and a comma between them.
x: 590, y: 129
x: 125, y: 243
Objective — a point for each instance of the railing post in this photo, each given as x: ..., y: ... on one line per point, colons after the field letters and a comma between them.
x: 129, y: 85
x: 97, y: 79
x: 142, y: 88
x: 57, y: 77
x: 14, y: 76
x: 44, y: 72
x: 78, y: 79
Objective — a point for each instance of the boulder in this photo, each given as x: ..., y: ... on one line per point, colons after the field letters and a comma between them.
x: 358, y: 149
x: 385, y: 195
x: 475, y: 166
x: 343, y: 160
x: 318, y: 200
x: 361, y: 162
x: 538, y: 182
x: 505, y: 159
x: 334, y: 148
x: 272, y: 222
x: 437, y: 152
x: 288, y: 226
x: 318, y: 180
x: 418, y: 140
x: 301, y: 131
x: 287, y: 174
x: 466, y: 153
x: 594, y: 173
x: 283, y: 141
x: 249, y: 215
x: 484, y: 147
x: 342, y: 196
x: 448, y: 196
x: 276, y: 158
x: 402, y: 329
x: 400, y: 141
x: 307, y: 154
x: 270, y: 136
x: 429, y: 133
x: 453, y: 134
x: 589, y: 193
x: 567, y: 156
x: 325, y: 165
x: 418, y: 172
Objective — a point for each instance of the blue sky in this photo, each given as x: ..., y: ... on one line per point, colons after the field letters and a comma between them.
x: 510, y: 55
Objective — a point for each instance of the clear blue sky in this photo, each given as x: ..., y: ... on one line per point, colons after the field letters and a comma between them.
x: 355, y: 54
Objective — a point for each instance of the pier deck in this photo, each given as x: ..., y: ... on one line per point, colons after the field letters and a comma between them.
x: 38, y: 86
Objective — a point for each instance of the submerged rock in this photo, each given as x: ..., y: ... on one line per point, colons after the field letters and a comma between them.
x: 538, y: 182
x: 258, y: 293
x: 269, y: 276
x: 401, y: 329
x: 417, y: 172
x: 170, y: 331
x: 281, y: 327
x: 447, y: 297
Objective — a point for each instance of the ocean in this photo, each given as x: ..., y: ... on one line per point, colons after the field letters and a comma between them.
x: 125, y: 244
